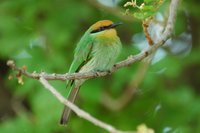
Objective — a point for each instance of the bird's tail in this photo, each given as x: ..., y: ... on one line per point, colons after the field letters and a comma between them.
x: 66, y: 112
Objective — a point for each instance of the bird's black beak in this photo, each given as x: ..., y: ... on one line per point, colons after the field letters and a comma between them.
x: 116, y: 24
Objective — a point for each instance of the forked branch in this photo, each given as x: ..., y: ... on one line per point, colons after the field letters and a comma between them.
x: 43, y: 77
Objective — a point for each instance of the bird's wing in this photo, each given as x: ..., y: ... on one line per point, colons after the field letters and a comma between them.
x: 82, y: 54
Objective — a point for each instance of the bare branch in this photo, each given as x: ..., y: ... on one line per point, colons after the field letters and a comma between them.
x: 145, y: 26
x: 119, y: 103
x: 130, y: 60
x: 127, y: 62
x: 43, y: 77
x: 78, y: 111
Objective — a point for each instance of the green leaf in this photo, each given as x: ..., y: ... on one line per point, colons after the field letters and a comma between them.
x: 148, y: 8
x: 148, y: 1
x: 139, y: 15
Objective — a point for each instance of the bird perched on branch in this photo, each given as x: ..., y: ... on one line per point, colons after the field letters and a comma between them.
x: 97, y: 50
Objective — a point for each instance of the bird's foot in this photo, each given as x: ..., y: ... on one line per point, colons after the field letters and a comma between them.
x: 98, y: 72
x: 109, y: 72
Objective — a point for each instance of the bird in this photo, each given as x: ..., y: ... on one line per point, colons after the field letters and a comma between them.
x: 96, y: 51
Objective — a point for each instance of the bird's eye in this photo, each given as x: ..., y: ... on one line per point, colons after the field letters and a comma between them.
x: 101, y: 28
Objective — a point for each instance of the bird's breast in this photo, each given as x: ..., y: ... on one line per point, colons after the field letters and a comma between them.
x: 105, y: 54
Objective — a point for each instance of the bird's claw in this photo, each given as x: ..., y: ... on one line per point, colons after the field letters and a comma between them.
x: 98, y: 72
x: 109, y: 72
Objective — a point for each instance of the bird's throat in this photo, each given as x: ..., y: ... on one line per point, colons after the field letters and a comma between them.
x: 107, y: 34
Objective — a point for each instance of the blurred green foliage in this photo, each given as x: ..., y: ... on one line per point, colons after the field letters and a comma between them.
x: 144, y: 10
x: 42, y: 34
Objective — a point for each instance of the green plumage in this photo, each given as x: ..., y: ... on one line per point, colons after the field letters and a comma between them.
x: 81, y: 54
x: 94, y: 52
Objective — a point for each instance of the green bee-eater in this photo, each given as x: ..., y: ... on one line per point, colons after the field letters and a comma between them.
x: 97, y: 50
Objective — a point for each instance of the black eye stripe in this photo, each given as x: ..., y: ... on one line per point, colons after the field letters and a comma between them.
x: 101, y: 29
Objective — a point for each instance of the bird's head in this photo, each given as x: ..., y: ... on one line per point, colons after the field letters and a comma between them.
x: 104, y: 29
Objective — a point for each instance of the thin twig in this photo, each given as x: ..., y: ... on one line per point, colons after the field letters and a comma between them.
x: 127, y: 62
x: 145, y: 26
x: 78, y: 111
x: 42, y: 77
